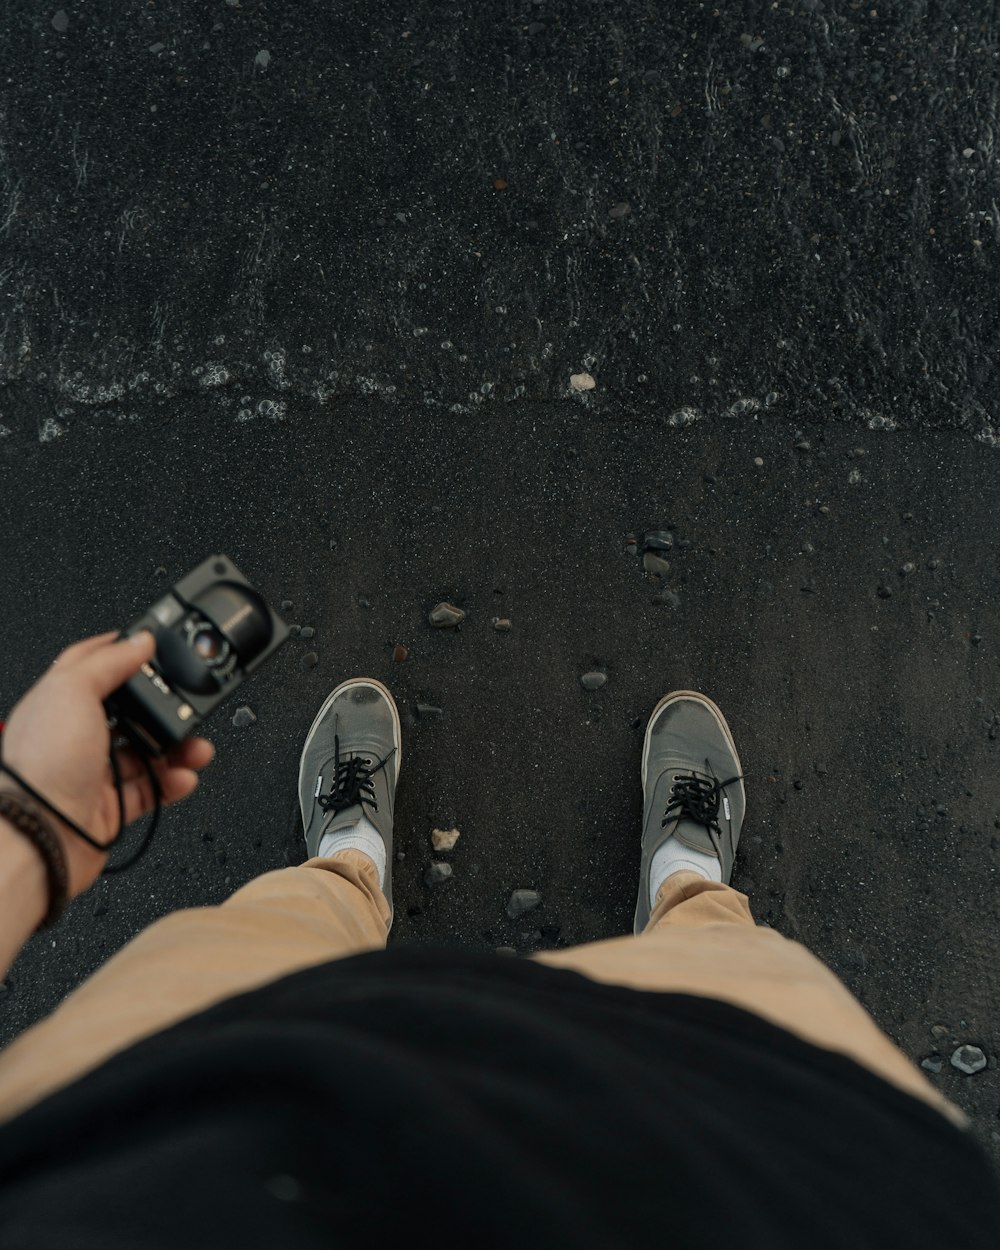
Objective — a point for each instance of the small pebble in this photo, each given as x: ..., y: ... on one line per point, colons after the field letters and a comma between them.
x: 244, y: 716
x: 666, y: 596
x: 582, y: 382
x: 60, y: 21
x: 708, y: 477
x: 444, y: 839
x: 968, y: 1059
x: 427, y: 711
x: 399, y: 653
x: 620, y: 210
x: 501, y: 624
x: 295, y: 630
x: 160, y: 572
x: 307, y: 632
x: 436, y: 873
x: 758, y: 461
x: 100, y: 907
x: 803, y: 445
x: 593, y: 681
x: 287, y: 605
x: 908, y: 568
x: 657, y: 540
x: 655, y: 564
x: 522, y: 901
x: 506, y: 950
x: 310, y: 659
x: 933, y: 564
x: 401, y: 855
x: 445, y: 616
x: 966, y: 152
x: 933, y: 1063
x: 885, y: 592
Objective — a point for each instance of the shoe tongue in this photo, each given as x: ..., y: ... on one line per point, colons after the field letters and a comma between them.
x: 343, y: 819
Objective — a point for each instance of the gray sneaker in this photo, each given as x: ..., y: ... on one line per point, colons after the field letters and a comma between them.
x: 688, y: 759
x: 350, y: 765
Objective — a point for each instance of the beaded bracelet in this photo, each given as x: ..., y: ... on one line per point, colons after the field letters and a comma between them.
x: 15, y: 810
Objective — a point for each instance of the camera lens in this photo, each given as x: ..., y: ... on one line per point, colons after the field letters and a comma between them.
x: 208, y: 644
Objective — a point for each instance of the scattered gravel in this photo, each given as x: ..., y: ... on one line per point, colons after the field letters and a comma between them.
x: 522, y: 901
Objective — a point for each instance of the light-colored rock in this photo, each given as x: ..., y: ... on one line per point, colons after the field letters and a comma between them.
x: 444, y: 839
x: 968, y: 1059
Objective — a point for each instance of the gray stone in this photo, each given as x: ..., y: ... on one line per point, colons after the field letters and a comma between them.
x: 968, y: 1059
x: 446, y: 616
x: 244, y: 716
x: 436, y: 873
x: 655, y: 564
x: 60, y: 21
x: 522, y: 901
x: 287, y: 605
x: 310, y: 659
x: 427, y: 711
x: 307, y: 631
x: 657, y: 540
x: 933, y: 1063
x: 666, y: 596
x: 593, y: 681
x: 501, y: 624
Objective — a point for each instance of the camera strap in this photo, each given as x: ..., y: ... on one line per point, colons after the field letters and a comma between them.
x: 143, y: 753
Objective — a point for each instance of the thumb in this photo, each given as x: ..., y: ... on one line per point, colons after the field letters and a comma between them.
x: 107, y: 668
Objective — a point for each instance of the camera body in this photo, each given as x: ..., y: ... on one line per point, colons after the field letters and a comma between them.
x: 212, y: 630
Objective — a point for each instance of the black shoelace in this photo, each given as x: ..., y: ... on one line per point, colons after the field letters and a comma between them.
x: 697, y: 797
x: 352, y: 781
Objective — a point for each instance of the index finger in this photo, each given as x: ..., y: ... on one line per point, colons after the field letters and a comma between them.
x: 79, y: 650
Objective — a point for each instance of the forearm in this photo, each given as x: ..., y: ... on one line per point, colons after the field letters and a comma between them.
x: 24, y: 892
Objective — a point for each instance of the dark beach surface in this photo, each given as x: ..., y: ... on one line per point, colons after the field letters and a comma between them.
x: 396, y: 305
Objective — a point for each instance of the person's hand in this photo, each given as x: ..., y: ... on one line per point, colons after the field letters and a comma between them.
x: 57, y: 739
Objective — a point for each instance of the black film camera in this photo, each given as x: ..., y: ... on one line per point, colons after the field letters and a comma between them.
x: 212, y: 630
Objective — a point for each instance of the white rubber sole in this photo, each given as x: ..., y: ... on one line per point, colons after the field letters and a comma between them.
x: 712, y: 707
x: 397, y: 731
